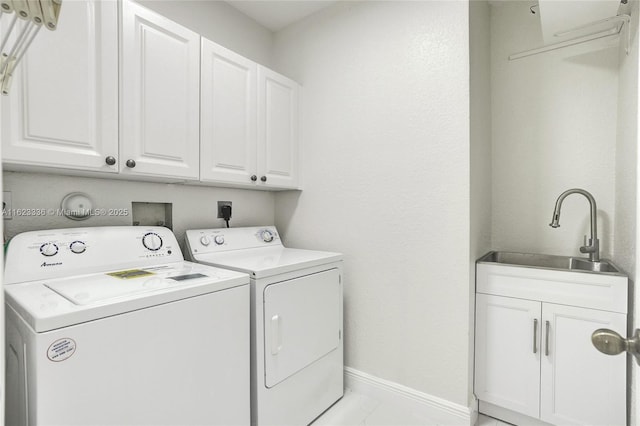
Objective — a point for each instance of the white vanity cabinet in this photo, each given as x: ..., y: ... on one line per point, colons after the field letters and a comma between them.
x: 160, y: 95
x: 248, y: 122
x: 62, y: 110
x: 534, y: 360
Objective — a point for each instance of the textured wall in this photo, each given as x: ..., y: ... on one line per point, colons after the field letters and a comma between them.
x: 480, y: 88
x: 627, y: 156
x: 193, y: 206
x: 554, y: 128
x: 385, y: 154
x: 626, y: 218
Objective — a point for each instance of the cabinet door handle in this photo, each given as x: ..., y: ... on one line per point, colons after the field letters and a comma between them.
x: 263, y: 178
x: 254, y: 178
x: 535, y: 336
x: 546, y: 338
x: 131, y: 163
x: 110, y: 160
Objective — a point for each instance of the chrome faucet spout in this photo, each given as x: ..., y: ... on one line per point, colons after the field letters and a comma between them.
x: 593, y: 246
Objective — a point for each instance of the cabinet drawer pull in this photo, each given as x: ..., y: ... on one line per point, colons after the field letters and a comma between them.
x: 110, y: 160
x: 546, y: 339
x: 535, y: 336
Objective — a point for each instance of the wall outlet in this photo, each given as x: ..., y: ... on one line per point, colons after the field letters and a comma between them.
x: 7, y: 205
x: 220, y: 204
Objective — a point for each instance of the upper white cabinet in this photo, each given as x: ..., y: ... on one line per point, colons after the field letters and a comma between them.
x: 248, y: 121
x: 63, y: 107
x: 160, y: 95
x: 277, y: 129
x: 134, y: 94
x: 533, y: 351
x: 228, y: 117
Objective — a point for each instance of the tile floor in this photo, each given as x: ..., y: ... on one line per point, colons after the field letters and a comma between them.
x: 360, y: 410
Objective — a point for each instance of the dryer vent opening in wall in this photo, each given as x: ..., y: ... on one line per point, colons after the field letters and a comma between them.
x: 152, y: 214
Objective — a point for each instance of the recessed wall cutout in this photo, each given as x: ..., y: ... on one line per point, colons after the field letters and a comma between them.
x: 152, y: 214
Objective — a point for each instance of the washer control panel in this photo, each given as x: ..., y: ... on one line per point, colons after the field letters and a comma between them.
x: 218, y: 240
x: 52, y: 253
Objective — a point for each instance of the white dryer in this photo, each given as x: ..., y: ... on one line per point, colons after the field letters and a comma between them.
x: 110, y: 326
x: 296, y: 320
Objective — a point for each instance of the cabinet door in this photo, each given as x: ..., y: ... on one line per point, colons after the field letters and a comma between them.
x: 62, y: 110
x: 580, y: 385
x: 160, y: 95
x: 277, y: 130
x: 227, y: 116
x: 507, y: 367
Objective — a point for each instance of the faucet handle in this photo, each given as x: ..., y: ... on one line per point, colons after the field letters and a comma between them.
x: 590, y: 246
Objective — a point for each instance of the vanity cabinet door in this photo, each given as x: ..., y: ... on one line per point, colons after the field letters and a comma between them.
x: 580, y: 385
x: 507, y: 359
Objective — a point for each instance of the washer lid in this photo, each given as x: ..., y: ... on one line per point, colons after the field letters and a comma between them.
x: 266, y: 262
x: 67, y: 301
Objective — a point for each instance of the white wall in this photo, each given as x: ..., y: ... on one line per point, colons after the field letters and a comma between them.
x: 385, y: 154
x: 626, y: 218
x: 626, y: 155
x: 221, y: 23
x: 554, y: 128
x: 193, y: 206
x: 480, y: 182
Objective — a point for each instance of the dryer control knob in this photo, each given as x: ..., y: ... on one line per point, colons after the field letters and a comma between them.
x: 204, y: 240
x: 152, y: 241
x: 49, y: 249
x: 77, y: 247
x: 219, y: 239
x: 267, y: 236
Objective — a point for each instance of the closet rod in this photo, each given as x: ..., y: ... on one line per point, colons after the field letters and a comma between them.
x: 610, y: 33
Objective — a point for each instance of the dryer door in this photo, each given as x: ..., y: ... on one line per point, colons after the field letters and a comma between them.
x: 302, y: 323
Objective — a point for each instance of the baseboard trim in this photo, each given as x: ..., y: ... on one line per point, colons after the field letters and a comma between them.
x: 443, y: 411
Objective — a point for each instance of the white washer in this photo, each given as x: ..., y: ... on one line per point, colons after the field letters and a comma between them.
x: 111, y: 326
x: 296, y: 320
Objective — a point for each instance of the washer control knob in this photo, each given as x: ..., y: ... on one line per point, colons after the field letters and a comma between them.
x: 219, y: 239
x: 204, y: 240
x: 77, y: 247
x: 267, y: 236
x: 152, y: 241
x: 49, y: 249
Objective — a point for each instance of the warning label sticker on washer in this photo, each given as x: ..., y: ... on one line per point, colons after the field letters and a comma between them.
x: 130, y: 273
x: 61, y: 349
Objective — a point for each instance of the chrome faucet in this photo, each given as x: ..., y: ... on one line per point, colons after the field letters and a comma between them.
x: 593, y: 247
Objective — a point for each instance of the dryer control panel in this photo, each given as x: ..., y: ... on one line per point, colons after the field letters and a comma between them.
x: 47, y: 254
x: 217, y: 240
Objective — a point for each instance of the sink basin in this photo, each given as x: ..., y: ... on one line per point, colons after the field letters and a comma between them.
x: 547, y: 261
